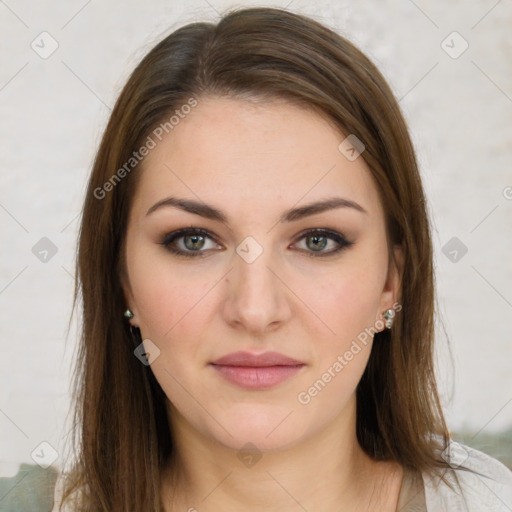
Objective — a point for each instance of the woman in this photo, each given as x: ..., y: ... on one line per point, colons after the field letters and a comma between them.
x: 256, y: 270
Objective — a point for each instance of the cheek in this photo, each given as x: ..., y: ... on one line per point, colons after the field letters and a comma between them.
x: 176, y: 311
x: 173, y: 312
x: 348, y: 303
x: 166, y: 299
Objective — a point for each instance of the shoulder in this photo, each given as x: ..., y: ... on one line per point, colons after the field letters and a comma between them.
x: 485, y: 483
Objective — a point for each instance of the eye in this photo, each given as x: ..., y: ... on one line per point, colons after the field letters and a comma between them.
x: 188, y: 242
x: 317, y: 240
x: 194, y: 242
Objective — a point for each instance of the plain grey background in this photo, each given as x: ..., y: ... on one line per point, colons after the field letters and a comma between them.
x: 63, y: 65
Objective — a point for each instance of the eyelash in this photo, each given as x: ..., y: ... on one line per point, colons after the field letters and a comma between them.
x: 180, y: 233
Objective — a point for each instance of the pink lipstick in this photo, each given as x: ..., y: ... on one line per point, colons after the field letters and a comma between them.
x: 260, y: 371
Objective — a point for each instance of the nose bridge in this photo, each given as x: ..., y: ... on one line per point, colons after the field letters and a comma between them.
x: 256, y: 297
x: 254, y: 278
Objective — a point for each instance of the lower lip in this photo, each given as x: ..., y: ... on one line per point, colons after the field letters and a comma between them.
x: 258, y: 377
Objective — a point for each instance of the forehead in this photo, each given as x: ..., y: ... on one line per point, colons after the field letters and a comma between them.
x: 265, y: 155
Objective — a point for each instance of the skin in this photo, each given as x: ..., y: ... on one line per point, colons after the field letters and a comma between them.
x: 253, y: 161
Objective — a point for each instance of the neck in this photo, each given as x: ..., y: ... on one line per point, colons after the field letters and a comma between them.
x: 326, y: 471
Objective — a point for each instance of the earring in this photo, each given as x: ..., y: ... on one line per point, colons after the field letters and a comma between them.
x: 389, y: 316
x: 128, y: 314
x: 135, y: 335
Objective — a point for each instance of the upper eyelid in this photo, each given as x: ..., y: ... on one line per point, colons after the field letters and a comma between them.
x: 180, y: 233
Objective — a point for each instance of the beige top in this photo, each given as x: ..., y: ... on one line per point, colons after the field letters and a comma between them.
x: 412, y: 493
x: 487, y: 487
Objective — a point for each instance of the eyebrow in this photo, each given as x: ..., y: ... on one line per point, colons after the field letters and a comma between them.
x: 293, y: 214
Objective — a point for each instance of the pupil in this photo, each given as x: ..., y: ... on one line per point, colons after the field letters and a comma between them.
x: 195, y: 240
x: 315, y: 238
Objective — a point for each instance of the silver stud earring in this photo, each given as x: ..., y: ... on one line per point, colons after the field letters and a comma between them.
x: 128, y: 314
x: 389, y: 316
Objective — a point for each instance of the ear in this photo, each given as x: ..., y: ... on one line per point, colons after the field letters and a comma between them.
x: 393, y: 285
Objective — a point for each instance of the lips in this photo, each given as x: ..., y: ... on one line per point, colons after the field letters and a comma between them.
x: 253, y: 371
x: 257, y: 360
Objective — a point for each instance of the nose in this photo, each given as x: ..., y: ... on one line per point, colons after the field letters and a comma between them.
x: 257, y: 298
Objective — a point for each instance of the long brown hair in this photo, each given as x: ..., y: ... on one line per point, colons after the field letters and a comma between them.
x: 122, y: 433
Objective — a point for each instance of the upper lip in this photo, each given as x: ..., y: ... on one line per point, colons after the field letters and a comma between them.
x: 242, y: 358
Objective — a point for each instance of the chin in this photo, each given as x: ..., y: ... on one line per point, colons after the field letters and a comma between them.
x: 267, y: 432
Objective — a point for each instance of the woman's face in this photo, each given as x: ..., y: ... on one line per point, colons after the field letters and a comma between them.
x: 261, y: 280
